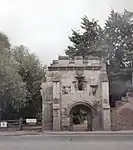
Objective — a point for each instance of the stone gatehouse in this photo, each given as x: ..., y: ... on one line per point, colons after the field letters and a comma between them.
x: 71, y: 85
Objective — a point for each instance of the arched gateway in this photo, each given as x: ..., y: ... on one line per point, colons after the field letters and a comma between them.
x: 81, y: 116
x: 76, y: 92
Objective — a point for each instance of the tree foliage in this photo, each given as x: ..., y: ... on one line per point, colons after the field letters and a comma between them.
x: 20, y: 78
x: 12, y: 88
x: 32, y: 72
x: 4, y: 38
x: 114, y: 43
x: 86, y: 42
x: 118, y: 36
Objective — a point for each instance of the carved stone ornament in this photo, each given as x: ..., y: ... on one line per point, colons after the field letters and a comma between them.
x: 79, y: 73
x: 92, y: 80
x: 66, y: 89
x: 93, y: 90
x: 96, y: 105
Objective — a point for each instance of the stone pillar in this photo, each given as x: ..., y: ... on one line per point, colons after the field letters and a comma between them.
x: 56, y: 106
x: 106, y: 120
x: 43, y: 109
x: 56, y: 117
x: 105, y: 106
x: 46, y: 106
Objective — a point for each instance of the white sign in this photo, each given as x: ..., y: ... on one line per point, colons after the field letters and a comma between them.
x: 3, y: 124
x: 31, y: 120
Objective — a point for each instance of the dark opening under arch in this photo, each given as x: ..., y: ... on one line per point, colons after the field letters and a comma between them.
x: 79, y: 114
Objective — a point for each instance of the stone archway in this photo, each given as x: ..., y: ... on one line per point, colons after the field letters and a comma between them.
x: 80, y: 107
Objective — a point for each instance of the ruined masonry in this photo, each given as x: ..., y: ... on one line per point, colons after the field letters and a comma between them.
x: 73, y: 83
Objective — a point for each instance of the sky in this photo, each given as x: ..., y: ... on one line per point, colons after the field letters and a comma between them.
x: 43, y: 26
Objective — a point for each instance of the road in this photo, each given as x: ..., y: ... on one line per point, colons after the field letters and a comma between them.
x: 67, y: 142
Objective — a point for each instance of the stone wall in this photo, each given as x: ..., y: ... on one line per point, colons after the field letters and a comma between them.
x: 122, y: 116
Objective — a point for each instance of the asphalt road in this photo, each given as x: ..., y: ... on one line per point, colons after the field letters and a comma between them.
x: 67, y: 142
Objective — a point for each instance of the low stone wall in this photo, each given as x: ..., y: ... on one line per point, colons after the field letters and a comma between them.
x: 122, y: 117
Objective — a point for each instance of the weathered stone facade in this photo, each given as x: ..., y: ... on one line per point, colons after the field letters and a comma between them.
x: 71, y: 83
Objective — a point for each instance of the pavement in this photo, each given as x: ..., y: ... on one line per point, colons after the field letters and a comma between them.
x: 63, y: 133
x: 87, y: 132
x: 67, y: 142
x: 19, y: 133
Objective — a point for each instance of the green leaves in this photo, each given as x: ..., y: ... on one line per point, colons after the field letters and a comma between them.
x: 113, y: 43
x: 118, y: 36
x: 5, y: 40
x: 21, y: 74
x: 32, y: 72
x: 12, y: 88
x: 86, y: 42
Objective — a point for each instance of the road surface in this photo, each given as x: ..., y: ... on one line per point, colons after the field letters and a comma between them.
x: 67, y: 142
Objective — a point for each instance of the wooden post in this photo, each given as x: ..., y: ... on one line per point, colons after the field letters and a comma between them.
x: 20, y: 127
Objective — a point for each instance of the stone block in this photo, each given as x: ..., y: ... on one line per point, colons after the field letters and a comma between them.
x: 66, y: 122
x: 56, y: 106
x: 63, y: 57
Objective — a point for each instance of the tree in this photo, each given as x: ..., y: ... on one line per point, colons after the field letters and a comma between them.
x: 118, y: 37
x: 4, y: 38
x: 32, y: 72
x: 20, y: 78
x: 12, y: 88
x: 88, y: 42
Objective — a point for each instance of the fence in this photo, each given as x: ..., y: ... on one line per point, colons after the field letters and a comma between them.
x: 21, y: 124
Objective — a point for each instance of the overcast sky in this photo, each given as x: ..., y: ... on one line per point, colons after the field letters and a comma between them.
x: 44, y: 25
